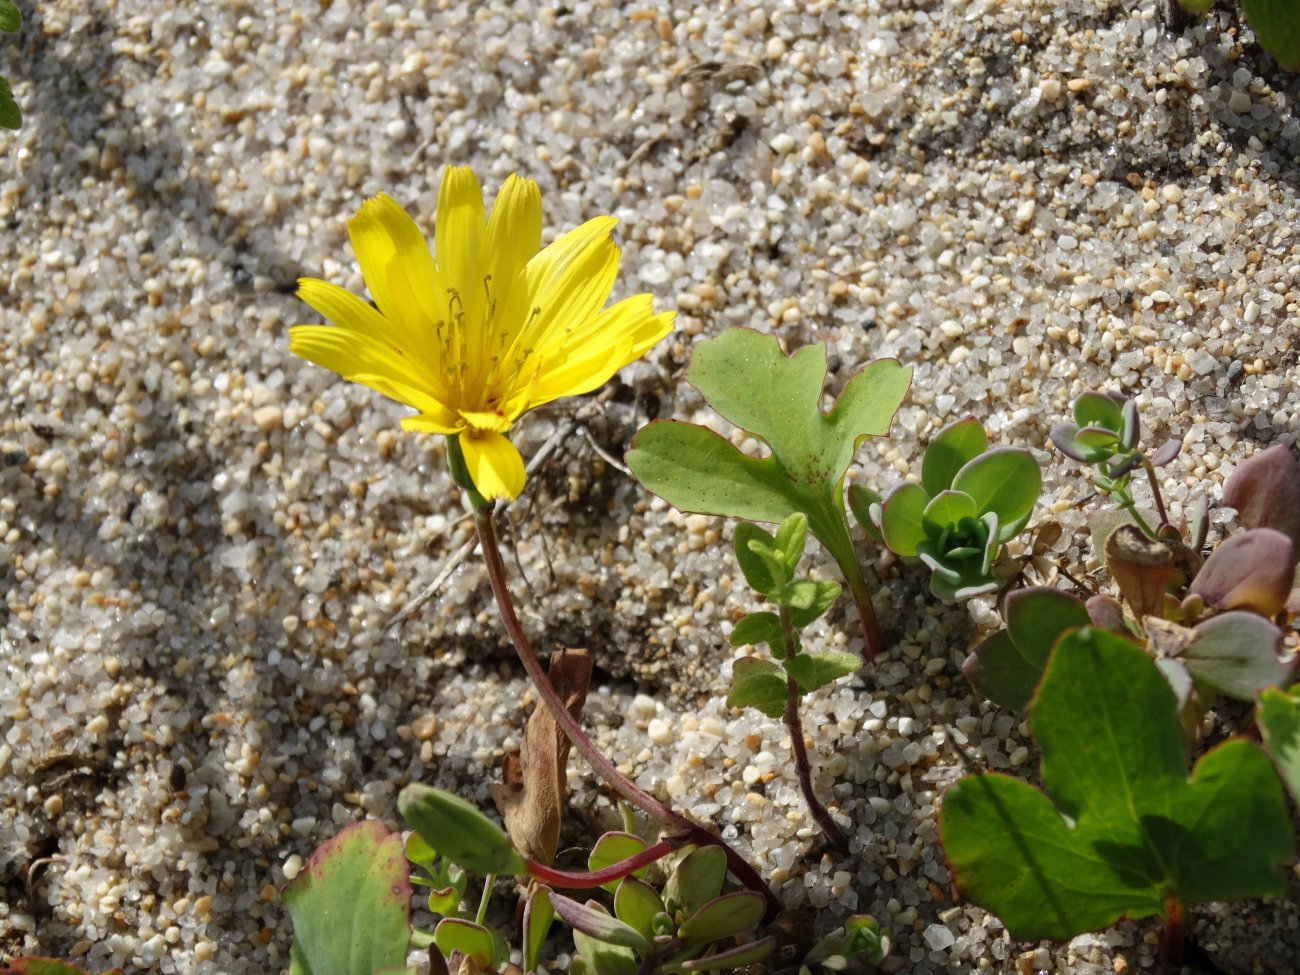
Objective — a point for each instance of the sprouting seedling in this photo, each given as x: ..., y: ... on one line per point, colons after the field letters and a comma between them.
x: 769, y: 563
x: 970, y: 502
x: 748, y: 379
x: 1120, y: 828
x: 675, y: 929
x: 1105, y: 434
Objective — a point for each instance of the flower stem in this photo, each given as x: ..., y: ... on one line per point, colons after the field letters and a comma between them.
x: 795, y: 726
x: 587, y: 880
x: 1155, y: 492
x: 606, y: 769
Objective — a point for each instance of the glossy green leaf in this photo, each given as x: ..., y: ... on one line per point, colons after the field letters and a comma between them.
x: 538, y: 915
x: 723, y: 917
x: 1005, y: 480
x: 1277, y: 28
x: 612, y: 848
x: 458, y: 831
x: 1098, y: 409
x: 758, y: 628
x: 446, y: 880
x: 696, y: 880
x: 1236, y: 653
x: 758, y: 684
x: 1121, y: 830
x: 748, y: 379
x: 10, y: 19
x: 947, y: 508
x: 952, y: 448
x: 637, y: 904
x: 351, y: 905
x: 1279, y: 720
x: 812, y: 671
x: 475, y: 941
x: 595, y: 957
x: 759, y: 572
x: 900, y: 518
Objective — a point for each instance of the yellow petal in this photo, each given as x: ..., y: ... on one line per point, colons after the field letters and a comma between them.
x: 458, y: 233
x: 365, y: 360
x: 514, y: 233
x: 615, y: 337
x: 567, y: 283
x: 494, y: 465
x: 445, y: 422
x: 399, y: 271
x: 493, y: 422
x: 345, y: 309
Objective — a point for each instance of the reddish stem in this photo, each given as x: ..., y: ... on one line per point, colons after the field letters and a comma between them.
x: 586, y: 880
x: 690, y: 832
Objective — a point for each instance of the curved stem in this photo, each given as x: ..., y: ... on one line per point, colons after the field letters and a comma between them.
x: 795, y: 726
x: 606, y: 769
x: 587, y: 880
x: 1155, y: 492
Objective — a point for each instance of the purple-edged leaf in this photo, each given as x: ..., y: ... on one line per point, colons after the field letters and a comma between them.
x: 900, y: 518
x: 1253, y: 570
x: 638, y: 904
x: 733, y: 959
x: 1005, y: 480
x: 1141, y: 567
x: 1008, y: 665
x: 1120, y: 829
x: 1107, y: 613
x: 594, y: 921
x: 1099, y: 409
x: 351, y: 906
x: 1166, y: 452
x: 1132, y: 427
x: 1265, y: 490
x: 1236, y: 653
x: 1096, y: 442
x: 1279, y: 721
x: 723, y: 917
x: 1063, y: 438
x: 952, y: 448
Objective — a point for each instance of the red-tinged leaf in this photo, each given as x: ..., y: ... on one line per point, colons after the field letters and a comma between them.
x: 1253, y: 570
x: 1265, y: 490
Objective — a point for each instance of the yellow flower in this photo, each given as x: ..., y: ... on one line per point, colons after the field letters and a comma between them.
x: 489, y: 329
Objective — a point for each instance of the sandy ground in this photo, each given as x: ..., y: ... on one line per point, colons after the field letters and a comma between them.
x: 204, y: 540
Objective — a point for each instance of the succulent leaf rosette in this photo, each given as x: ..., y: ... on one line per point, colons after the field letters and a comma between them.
x: 971, y: 500
x: 1105, y: 431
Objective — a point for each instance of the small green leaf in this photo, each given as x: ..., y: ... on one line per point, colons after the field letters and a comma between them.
x: 812, y: 671
x: 947, y: 508
x: 791, y: 537
x: 723, y: 917
x: 1121, y: 830
x: 446, y: 880
x: 612, y: 848
x: 863, y: 938
x: 10, y: 19
x: 1005, y: 480
x: 900, y: 518
x: 636, y: 903
x: 697, y: 880
x: 823, y: 598
x: 351, y: 906
x: 952, y: 448
x: 475, y: 941
x: 11, y: 117
x: 757, y: 684
x: 1277, y: 28
x: 1099, y: 409
x: 1279, y: 720
x: 757, y: 570
x: 595, y: 957
x: 458, y: 831
x: 758, y: 628
x: 538, y: 915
